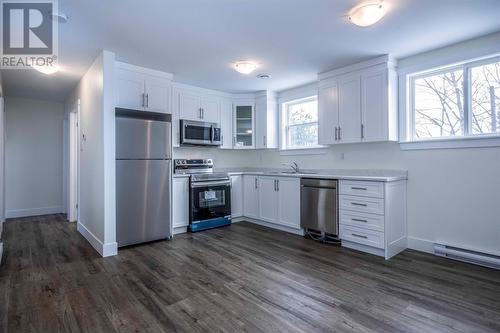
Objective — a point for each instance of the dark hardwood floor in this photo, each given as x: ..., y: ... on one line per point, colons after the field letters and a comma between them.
x: 239, y: 278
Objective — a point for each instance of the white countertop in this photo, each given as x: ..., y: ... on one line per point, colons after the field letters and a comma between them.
x: 349, y: 174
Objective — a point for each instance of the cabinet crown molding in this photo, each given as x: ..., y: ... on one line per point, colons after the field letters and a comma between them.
x: 144, y: 70
x: 387, y: 60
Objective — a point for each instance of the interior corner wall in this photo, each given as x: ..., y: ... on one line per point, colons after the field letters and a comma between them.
x: 96, y: 200
x: 33, y: 157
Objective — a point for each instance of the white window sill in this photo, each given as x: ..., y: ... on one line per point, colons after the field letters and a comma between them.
x: 452, y: 143
x: 321, y: 150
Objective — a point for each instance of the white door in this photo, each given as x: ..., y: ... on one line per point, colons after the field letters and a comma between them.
x: 350, y: 109
x: 180, y: 202
x: 210, y: 110
x: 129, y: 92
x: 328, y: 114
x: 226, y: 123
x: 251, y: 196
x: 289, y: 201
x: 158, y: 93
x: 74, y: 153
x: 374, y: 109
x: 260, y: 123
x: 189, y: 106
x: 237, y: 196
x: 268, y: 199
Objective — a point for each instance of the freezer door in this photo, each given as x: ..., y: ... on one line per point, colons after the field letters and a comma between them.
x: 142, y: 139
x: 142, y: 201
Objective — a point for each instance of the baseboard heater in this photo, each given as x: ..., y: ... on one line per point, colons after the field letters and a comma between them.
x: 473, y: 257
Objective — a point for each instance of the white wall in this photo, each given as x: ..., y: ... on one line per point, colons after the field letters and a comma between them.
x: 97, y: 155
x: 33, y: 154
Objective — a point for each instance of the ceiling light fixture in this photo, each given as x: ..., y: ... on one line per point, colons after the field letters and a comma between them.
x: 367, y: 13
x: 59, y: 17
x: 48, y: 70
x: 245, y: 67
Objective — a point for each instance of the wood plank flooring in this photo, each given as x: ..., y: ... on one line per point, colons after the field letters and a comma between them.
x: 242, y: 278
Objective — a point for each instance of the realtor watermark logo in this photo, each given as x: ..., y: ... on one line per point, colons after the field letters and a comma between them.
x: 29, y: 34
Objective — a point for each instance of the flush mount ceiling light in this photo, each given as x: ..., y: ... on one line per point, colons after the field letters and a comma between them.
x: 59, y: 17
x: 367, y: 13
x: 245, y: 67
x: 48, y: 70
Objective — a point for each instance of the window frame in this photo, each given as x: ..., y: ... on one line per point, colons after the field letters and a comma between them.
x: 285, y: 127
x: 466, y: 68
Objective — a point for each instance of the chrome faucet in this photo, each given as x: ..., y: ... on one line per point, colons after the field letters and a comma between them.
x: 293, y: 165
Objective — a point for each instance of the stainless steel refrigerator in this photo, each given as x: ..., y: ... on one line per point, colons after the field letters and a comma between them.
x: 143, y: 176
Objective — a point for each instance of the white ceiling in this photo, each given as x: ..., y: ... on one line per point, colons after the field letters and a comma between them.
x: 293, y: 40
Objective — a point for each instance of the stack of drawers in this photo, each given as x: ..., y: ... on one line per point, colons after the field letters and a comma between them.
x: 362, y: 213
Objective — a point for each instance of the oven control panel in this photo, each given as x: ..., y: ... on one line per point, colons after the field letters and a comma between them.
x: 184, y: 166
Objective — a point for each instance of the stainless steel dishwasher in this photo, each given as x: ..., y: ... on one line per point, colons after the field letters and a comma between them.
x: 319, y: 208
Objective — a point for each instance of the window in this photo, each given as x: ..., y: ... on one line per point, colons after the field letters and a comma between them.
x: 460, y: 101
x: 300, y: 124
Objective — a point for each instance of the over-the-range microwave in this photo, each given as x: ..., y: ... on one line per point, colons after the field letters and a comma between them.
x: 200, y: 133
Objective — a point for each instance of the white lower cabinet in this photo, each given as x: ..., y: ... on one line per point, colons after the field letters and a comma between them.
x: 251, y: 196
x: 236, y: 196
x: 275, y: 200
x: 372, y: 216
x: 180, y: 203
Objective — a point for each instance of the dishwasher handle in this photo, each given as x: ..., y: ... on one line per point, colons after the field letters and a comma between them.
x: 323, y: 187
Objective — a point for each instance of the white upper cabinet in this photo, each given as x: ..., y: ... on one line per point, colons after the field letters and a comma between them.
x: 142, y: 88
x: 226, y: 124
x: 328, y: 113
x: 210, y: 109
x: 266, y: 121
x: 244, y: 124
x: 359, y: 103
x: 197, y: 106
x: 349, y: 129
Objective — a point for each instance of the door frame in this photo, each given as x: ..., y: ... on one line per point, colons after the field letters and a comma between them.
x: 73, y: 193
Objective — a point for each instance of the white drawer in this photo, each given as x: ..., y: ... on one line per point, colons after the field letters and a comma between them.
x: 362, y: 236
x: 362, y: 220
x: 362, y: 204
x: 365, y: 189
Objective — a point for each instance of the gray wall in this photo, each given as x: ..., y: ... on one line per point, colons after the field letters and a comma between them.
x: 33, y: 157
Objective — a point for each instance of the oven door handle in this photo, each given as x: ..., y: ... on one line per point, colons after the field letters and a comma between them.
x: 214, y: 183
x: 212, y: 133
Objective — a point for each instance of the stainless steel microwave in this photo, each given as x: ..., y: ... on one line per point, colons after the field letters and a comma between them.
x: 200, y: 133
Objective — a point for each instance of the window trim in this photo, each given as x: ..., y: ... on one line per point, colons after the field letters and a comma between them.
x: 285, y: 128
x: 468, y: 139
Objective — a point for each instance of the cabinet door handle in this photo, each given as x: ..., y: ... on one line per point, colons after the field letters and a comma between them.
x: 256, y: 186
x: 360, y: 236
x: 274, y: 184
x: 362, y: 131
x: 143, y: 100
x: 147, y: 100
x: 359, y: 220
x: 202, y: 113
x: 234, y: 141
x: 336, y: 133
x: 265, y: 141
x: 358, y: 204
x: 277, y: 185
x: 340, y: 133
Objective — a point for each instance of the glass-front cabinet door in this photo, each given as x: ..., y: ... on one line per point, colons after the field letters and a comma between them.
x: 244, y: 128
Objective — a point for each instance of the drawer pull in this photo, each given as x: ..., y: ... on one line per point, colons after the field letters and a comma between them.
x: 359, y: 188
x: 360, y: 236
x: 359, y: 220
x: 358, y: 204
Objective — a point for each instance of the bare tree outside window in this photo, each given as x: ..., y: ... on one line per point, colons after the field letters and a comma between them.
x: 440, y: 109
x: 301, y: 126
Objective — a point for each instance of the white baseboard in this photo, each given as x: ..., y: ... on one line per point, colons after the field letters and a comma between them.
x: 105, y: 250
x: 179, y: 230
x: 14, y: 213
x: 421, y: 245
x: 291, y: 230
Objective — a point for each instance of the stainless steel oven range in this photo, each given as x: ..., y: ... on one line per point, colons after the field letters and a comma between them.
x: 209, y: 195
